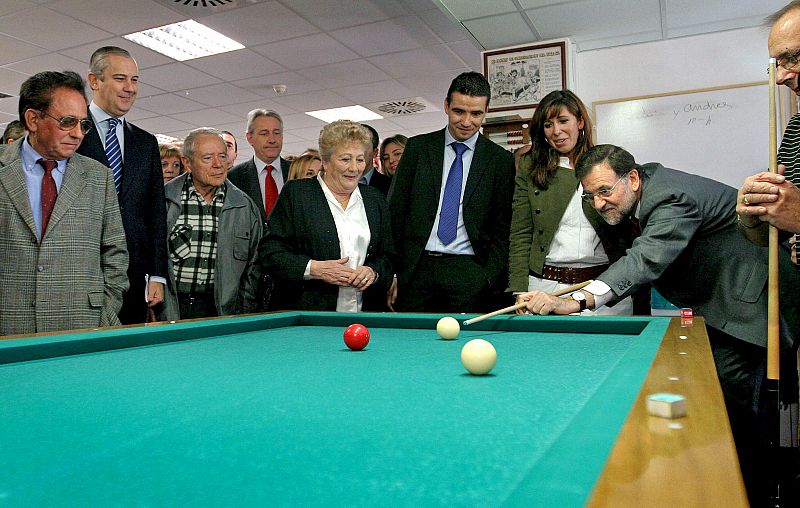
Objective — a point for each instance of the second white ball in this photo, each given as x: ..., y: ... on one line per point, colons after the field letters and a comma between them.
x: 448, y: 328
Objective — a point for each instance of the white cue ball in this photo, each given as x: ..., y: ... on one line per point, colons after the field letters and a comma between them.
x: 448, y: 328
x: 478, y: 357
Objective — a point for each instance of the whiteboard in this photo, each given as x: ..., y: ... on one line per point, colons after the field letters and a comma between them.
x: 720, y: 133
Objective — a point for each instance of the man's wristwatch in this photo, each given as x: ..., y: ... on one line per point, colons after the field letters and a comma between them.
x: 579, y: 297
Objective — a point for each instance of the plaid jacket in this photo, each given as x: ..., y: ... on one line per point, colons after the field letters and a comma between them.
x: 76, y: 276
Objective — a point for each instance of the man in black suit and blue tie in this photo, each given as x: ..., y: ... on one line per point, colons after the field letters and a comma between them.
x: 450, y: 205
x: 133, y: 156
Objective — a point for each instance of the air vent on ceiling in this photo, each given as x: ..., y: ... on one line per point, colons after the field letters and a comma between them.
x: 4, y: 95
x: 203, y: 3
x: 402, y: 107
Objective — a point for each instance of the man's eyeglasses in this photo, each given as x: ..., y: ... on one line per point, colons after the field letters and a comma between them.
x: 789, y: 61
x: 602, y: 193
x: 67, y: 123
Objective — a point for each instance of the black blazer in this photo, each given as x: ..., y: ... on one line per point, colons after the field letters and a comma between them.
x: 141, y: 198
x: 301, y: 227
x: 245, y: 177
x: 380, y: 182
x: 414, y: 200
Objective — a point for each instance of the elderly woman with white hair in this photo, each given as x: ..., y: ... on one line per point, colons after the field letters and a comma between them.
x: 329, y: 242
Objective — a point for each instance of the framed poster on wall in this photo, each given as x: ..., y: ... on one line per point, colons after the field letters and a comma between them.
x: 520, y: 76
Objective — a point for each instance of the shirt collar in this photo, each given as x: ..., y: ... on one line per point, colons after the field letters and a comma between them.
x: 30, y: 157
x: 262, y: 166
x: 354, y: 197
x: 368, y: 175
x: 100, y: 115
x: 219, y: 195
x: 449, y: 139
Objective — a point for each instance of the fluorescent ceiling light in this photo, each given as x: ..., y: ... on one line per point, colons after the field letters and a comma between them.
x: 354, y: 113
x: 184, y: 41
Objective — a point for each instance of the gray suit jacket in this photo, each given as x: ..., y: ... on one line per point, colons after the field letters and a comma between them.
x: 75, y: 277
x: 692, y: 253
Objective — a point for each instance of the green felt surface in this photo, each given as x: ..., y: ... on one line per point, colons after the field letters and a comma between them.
x: 253, y: 415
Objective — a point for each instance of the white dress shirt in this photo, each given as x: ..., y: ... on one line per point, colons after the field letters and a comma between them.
x: 101, y: 124
x: 461, y: 245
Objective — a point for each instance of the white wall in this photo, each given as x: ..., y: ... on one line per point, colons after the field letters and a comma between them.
x: 718, y: 59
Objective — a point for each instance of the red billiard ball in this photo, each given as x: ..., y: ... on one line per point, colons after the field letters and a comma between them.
x: 356, y: 337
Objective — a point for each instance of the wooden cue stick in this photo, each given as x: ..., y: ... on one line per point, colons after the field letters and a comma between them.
x: 773, y: 319
x: 514, y: 307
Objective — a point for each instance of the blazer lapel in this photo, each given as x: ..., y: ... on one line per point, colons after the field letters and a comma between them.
x: 92, y: 146
x: 436, y: 156
x: 71, y: 187
x: 130, y: 160
x: 476, y: 172
x: 328, y: 225
x: 12, y: 180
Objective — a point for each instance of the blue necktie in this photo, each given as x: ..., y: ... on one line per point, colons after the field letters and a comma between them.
x: 451, y: 201
x: 113, y: 152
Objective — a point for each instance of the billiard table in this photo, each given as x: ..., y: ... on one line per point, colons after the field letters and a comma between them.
x: 274, y: 410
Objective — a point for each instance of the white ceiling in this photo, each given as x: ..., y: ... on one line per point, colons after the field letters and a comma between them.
x: 329, y: 53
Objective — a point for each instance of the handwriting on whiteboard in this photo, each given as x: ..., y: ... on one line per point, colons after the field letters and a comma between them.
x: 699, y: 114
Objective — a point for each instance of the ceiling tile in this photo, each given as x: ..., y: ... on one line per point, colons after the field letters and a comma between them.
x: 390, y: 36
x: 432, y: 121
x: 599, y: 19
x: 335, y: 14
x: 241, y: 110
x: 295, y: 84
x: 260, y: 24
x: 500, y: 31
x: 220, y: 95
x: 470, y: 9
x: 311, y: 101
x: 419, y: 61
x: 432, y: 86
x: 301, y: 120
x: 177, y: 76
x: 318, y: 49
x: 468, y: 53
x: 342, y: 74
x: 206, y: 117
x: 49, y: 61
x: 234, y: 65
x: 11, y: 81
x: 128, y: 16
x: 168, y: 103
x: 375, y: 92
x: 163, y: 124
x: 15, y: 50
x: 687, y: 17
x: 9, y: 6
x: 441, y: 25
x: 50, y: 29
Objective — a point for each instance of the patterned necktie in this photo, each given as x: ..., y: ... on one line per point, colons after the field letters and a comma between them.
x: 113, y: 152
x: 270, y: 190
x: 451, y: 201
x: 49, y: 192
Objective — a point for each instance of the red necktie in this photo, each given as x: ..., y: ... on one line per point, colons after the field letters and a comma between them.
x: 270, y: 190
x: 49, y: 192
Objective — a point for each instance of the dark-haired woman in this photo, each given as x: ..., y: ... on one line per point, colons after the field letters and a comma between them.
x: 557, y: 239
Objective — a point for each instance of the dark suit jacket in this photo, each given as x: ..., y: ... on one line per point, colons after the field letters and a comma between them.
x: 141, y: 199
x: 245, y: 177
x: 692, y: 253
x: 301, y: 227
x: 380, y: 182
x: 414, y: 200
